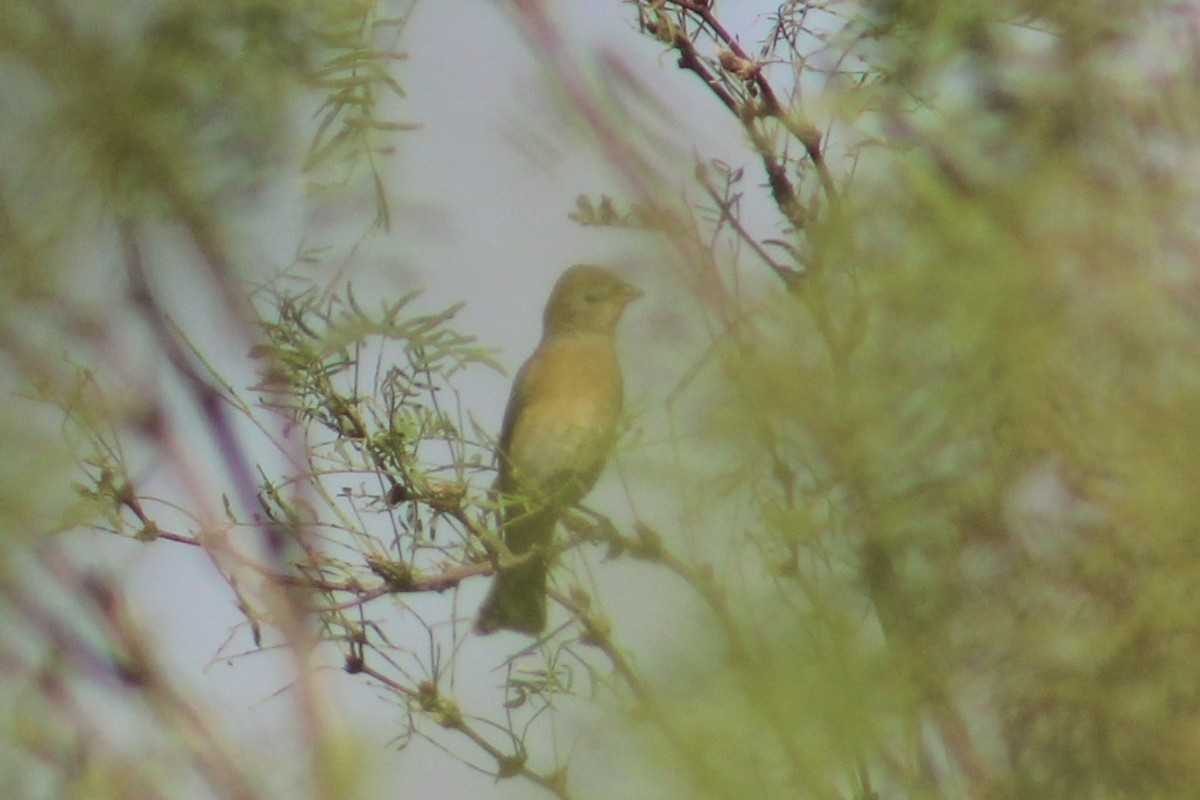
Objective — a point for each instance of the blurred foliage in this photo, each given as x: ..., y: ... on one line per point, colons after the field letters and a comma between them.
x: 156, y: 103
x: 971, y: 526
x: 124, y: 126
x: 357, y: 76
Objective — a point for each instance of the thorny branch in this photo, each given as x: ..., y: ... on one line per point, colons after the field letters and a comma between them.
x: 742, y: 86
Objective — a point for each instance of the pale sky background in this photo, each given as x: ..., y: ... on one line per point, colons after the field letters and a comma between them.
x: 480, y: 201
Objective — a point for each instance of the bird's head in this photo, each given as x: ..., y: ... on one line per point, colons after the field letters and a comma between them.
x: 588, y: 299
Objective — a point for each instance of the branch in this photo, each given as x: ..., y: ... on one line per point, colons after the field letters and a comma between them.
x: 736, y: 63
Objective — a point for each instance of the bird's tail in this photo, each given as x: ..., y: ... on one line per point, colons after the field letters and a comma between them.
x: 517, y: 600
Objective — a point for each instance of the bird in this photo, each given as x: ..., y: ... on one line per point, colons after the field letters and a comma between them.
x: 558, y: 430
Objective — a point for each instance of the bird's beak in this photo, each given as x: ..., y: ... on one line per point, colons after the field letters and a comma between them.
x: 629, y: 293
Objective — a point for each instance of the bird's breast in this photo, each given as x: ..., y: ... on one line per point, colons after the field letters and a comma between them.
x: 571, y: 395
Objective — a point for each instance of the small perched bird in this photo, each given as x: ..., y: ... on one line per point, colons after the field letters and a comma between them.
x: 558, y: 429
